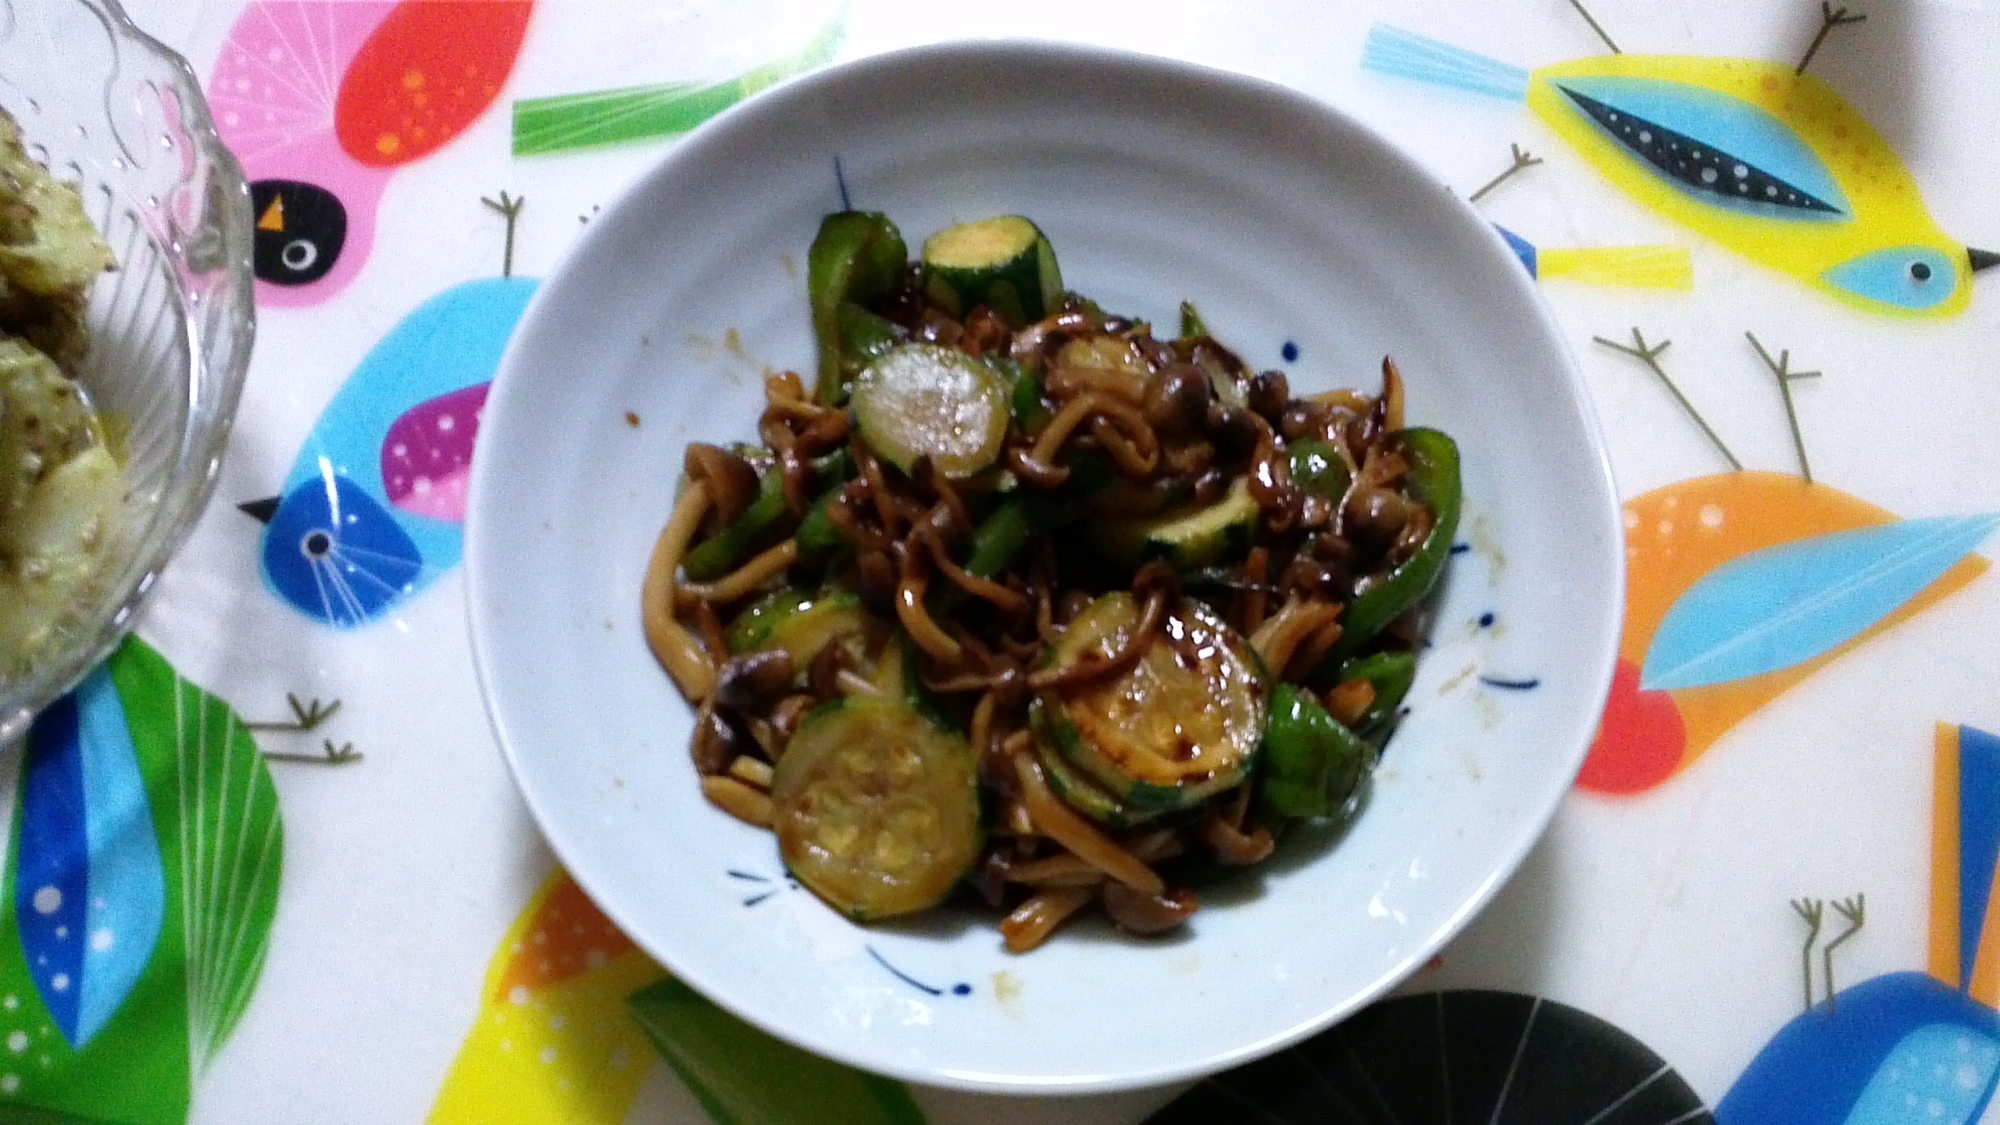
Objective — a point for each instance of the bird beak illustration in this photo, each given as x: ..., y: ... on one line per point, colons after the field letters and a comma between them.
x: 1982, y: 259
x: 260, y: 510
x: 273, y: 218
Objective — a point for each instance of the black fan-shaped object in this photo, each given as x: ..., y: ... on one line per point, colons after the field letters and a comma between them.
x: 1452, y: 1058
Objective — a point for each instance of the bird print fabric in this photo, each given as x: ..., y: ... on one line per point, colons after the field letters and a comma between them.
x: 1769, y: 162
x: 142, y: 878
x: 323, y: 99
x: 552, y: 1004
x: 373, y: 508
x: 1907, y: 1046
x: 1739, y: 587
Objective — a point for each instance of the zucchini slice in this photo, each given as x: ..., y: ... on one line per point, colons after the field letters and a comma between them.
x: 1190, y: 540
x: 797, y: 621
x: 1003, y: 263
x: 920, y: 399
x: 1074, y: 788
x: 1179, y: 726
x: 876, y: 809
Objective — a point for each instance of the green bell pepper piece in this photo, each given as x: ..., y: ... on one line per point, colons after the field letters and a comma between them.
x: 998, y: 538
x: 1311, y: 763
x: 761, y: 524
x: 1389, y: 673
x: 1433, y: 480
x: 1319, y: 470
x: 1191, y: 322
x: 995, y: 542
x: 819, y: 541
x: 864, y: 337
x: 766, y: 521
x: 1025, y: 402
x: 856, y: 258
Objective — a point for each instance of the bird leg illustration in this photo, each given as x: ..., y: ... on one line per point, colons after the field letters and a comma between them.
x: 307, y: 717
x: 1649, y: 355
x: 1853, y: 910
x: 511, y: 208
x: 330, y: 755
x: 1522, y: 159
x: 1813, y: 911
x: 1781, y: 369
x: 1587, y: 18
x: 1830, y: 17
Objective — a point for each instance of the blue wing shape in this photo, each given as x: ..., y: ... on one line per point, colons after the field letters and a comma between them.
x: 1724, y: 149
x: 1787, y: 604
x: 90, y: 896
x: 1522, y: 248
x: 451, y: 341
x: 1978, y: 839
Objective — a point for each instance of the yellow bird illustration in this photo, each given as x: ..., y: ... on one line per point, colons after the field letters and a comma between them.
x: 1763, y: 159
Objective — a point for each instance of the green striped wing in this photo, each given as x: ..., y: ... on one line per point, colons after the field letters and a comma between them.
x: 605, y: 117
x: 742, y: 1076
x: 229, y: 842
x: 220, y: 841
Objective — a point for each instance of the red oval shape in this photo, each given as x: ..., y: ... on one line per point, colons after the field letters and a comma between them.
x: 1640, y: 741
x: 429, y: 70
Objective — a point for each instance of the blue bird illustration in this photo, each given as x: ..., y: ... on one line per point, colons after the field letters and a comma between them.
x: 1905, y: 1046
x: 373, y: 509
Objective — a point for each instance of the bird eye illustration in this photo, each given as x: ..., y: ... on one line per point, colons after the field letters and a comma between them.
x: 1910, y: 277
x: 301, y: 229
x: 316, y: 545
x: 299, y: 255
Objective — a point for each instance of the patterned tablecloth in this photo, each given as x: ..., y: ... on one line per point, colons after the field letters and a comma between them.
x: 267, y: 865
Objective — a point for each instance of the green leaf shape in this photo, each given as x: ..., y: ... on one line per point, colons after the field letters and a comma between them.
x: 221, y: 845
x: 565, y: 122
x: 742, y: 1076
x: 135, y: 1070
x: 230, y: 841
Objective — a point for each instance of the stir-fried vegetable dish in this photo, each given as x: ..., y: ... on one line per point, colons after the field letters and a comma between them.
x: 1025, y: 602
x: 61, y: 488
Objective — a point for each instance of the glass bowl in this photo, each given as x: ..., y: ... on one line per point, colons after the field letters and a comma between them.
x: 104, y: 105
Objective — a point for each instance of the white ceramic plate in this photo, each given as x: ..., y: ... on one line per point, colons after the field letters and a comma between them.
x: 1285, y: 222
